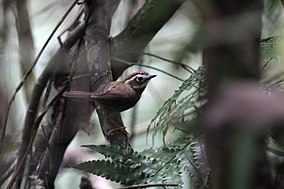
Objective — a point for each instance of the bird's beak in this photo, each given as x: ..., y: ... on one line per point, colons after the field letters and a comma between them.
x: 151, y: 76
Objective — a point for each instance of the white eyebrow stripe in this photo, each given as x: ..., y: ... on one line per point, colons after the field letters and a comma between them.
x: 141, y: 75
x: 135, y: 76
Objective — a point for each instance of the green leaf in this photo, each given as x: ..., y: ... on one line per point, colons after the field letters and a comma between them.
x: 133, y: 159
x: 200, y: 160
x: 112, y: 171
x: 159, y: 165
x: 173, y: 157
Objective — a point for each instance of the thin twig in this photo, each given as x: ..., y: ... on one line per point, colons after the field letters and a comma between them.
x: 154, y: 68
x: 264, y: 66
x: 31, y: 69
x: 149, y: 185
x: 275, y: 83
x: 186, y: 67
x: 47, y: 93
x: 45, y: 134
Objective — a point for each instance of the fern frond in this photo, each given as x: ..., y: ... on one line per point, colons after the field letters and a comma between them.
x: 173, y: 156
x: 184, y: 98
x: 186, y: 153
x: 112, y: 171
x: 196, y: 165
x: 133, y: 159
x: 159, y: 165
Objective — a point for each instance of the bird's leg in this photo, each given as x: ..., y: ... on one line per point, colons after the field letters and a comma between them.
x: 117, y: 128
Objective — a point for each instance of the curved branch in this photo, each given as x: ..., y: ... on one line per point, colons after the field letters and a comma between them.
x: 140, y: 31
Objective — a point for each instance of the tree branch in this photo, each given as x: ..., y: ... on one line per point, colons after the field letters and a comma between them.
x: 98, y: 15
x: 70, y: 114
x: 59, y: 56
x: 140, y: 31
x: 26, y: 44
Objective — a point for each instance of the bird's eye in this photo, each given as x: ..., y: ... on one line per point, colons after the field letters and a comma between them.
x: 140, y: 79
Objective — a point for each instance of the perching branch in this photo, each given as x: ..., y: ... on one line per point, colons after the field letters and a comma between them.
x: 99, y: 14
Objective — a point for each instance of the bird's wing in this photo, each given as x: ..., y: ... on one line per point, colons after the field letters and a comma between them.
x: 103, y: 89
x: 111, y: 90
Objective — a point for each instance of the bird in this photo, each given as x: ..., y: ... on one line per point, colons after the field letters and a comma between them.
x: 117, y: 96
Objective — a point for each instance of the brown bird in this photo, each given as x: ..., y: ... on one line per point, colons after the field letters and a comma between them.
x: 117, y: 96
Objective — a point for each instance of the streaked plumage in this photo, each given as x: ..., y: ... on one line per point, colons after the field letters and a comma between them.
x: 117, y: 96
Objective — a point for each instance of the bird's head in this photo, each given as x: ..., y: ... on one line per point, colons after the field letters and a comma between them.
x: 138, y: 80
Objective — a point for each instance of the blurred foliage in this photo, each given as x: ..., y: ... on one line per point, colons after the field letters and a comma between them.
x: 274, y: 148
x: 270, y: 47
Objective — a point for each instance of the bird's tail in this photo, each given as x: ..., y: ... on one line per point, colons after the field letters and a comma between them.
x: 77, y: 94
